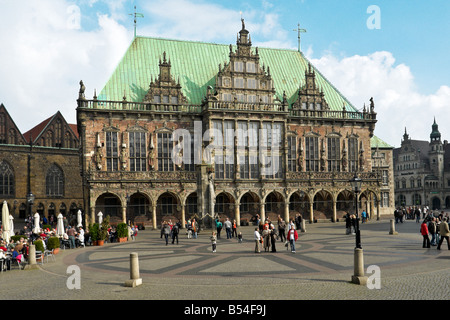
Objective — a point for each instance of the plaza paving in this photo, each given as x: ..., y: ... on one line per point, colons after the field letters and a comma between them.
x: 321, y: 269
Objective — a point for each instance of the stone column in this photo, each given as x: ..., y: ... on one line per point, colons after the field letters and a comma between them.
x: 286, y: 212
x: 92, y: 214
x: 183, y: 215
x: 263, y: 211
x: 154, y: 216
x: 237, y: 214
x: 392, y: 231
x: 32, y: 259
x: 124, y: 214
x: 378, y: 209
x: 358, y: 276
x: 311, y: 211
x: 135, y: 280
x: 334, y: 211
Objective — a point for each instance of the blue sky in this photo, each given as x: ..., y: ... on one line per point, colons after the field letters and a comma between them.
x: 51, y: 44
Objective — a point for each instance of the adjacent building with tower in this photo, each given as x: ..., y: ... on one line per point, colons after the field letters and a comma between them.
x: 422, y: 171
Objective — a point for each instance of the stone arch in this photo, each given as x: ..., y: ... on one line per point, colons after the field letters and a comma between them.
x: 299, y: 204
x: 138, y: 207
x: 368, y: 201
x: 191, y: 204
x: 249, y: 206
x: 224, y: 206
x: 274, y: 205
x: 109, y: 204
x: 168, y: 207
x: 323, y: 205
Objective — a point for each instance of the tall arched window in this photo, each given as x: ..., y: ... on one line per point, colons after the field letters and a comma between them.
x: 6, y: 180
x: 55, y: 182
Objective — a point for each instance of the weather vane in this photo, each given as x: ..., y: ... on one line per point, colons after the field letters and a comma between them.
x: 299, y: 32
x: 136, y: 15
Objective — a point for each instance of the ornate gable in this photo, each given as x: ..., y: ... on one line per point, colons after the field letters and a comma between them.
x: 242, y: 79
x: 309, y: 95
x: 165, y: 89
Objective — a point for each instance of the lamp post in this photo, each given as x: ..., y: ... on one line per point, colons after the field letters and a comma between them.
x: 358, y: 277
x: 356, y: 185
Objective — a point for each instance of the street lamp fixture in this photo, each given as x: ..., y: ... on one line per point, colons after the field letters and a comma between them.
x: 356, y: 185
x: 30, y: 201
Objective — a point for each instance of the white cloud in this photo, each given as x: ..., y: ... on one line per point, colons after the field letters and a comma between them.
x: 398, y: 101
x: 44, y: 59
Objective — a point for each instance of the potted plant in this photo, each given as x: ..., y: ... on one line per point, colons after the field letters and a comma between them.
x: 40, y: 247
x: 53, y: 244
x: 93, y: 232
x: 103, y: 231
x: 122, y: 232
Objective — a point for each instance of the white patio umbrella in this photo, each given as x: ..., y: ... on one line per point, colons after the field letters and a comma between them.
x: 11, y: 225
x: 60, y: 225
x: 79, y: 219
x: 5, y: 222
x: 100, y: 217
x: 37, y: 220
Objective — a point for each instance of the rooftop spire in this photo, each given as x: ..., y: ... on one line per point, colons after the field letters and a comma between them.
x: 136, y: 15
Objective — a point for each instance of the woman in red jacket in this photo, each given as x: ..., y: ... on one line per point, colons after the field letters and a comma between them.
x: 424, y: 232
x: 292, y: 236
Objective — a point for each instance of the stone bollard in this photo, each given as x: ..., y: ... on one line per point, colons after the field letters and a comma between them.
x: 393, y: 228
x: 303, y: 226
x: 32, y: 259
x: 134, y: 271
x: 359, y: 277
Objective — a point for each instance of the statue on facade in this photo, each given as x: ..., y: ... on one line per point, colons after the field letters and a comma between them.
x: 372, y: 105
x: 151, y: 154
x: 82, y: 89
x: 344, y: 157
x: 212, y: 195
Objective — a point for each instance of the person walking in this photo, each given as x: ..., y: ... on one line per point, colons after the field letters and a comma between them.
x: 432, y: 230
x: 166, y: 231
x: 228, y: 226
x: 71, y: 233
x: 218, y: 227
x: 292, y: 237
x: 213, y: 239
x: 273, y: 236
x: 234, y: 230
x: 194, y: 229
x: 424, y: 232
x: 266, y: 238
x: 175, y: 232
x: 282, y: 230
x: 444, y: 232
x: 257, y: 238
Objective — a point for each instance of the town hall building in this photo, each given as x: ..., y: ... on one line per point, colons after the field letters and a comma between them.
x: 186, y: 129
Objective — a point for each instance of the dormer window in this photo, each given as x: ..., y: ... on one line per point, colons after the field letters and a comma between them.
x: 238, y: 66
x: 251, y: 68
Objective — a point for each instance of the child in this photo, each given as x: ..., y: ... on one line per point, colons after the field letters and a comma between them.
x: 213, y: 241
x: 240, y: 237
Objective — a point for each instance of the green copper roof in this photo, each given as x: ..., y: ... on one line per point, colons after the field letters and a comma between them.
x: 195, y: 65
x: 377, y: 142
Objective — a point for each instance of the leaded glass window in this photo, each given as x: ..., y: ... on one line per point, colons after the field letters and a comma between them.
x: 54, y: 182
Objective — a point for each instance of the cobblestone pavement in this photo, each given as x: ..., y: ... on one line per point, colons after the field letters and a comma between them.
x: 321, y: 269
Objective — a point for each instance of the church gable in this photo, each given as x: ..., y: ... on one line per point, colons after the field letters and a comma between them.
x: 9, y: 133
x: 54, y: 132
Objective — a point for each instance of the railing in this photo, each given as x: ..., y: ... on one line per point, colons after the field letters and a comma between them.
x: 245, y: 106
x: 223, y: 106
x: 137, y: 106
x: 144, y: 175
x: 351, y: 115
